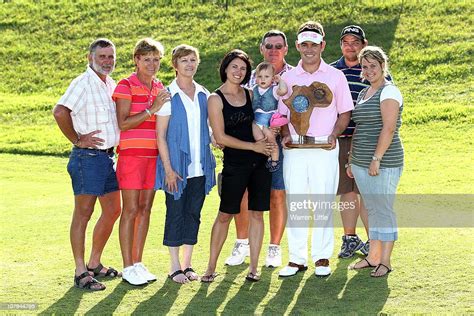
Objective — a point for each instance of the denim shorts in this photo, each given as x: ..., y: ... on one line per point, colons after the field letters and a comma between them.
x: 277, y: 176
x: 378, y: 193
x: 92, y: 172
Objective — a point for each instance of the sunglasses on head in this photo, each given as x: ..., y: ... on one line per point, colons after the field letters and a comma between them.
x: 276, y: 46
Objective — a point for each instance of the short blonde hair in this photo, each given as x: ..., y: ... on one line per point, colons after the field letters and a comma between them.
x: 376, y: 53
x: 148, y: 45
x: 183, y: 50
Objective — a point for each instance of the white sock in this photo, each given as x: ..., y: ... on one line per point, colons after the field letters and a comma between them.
x: 243, y: 241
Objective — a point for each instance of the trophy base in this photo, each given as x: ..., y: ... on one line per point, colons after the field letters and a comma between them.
x: 313, y: 145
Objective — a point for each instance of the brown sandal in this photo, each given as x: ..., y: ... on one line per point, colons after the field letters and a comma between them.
x: 252, y: 277
x: 209, y: 278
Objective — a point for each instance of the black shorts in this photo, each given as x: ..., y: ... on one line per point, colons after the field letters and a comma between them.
x: 346, y: 184
x: 236, y: 177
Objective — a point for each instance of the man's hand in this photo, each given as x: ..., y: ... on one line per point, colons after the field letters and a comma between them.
x: 331, y: 140
x: 89, y: 140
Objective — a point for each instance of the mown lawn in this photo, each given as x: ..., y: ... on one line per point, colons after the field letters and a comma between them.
x: 432, y: 263
x: 42, y: 47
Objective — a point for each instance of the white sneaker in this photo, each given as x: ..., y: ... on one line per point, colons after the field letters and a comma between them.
x: 132, y: 276
x: 140, y: 267
x: 239, y: 252
x: 273, y: 259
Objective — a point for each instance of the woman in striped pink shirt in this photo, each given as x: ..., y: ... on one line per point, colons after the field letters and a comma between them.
x: 138, y: 98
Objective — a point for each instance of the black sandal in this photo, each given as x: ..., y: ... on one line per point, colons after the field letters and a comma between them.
x: 176, y: 273
x: 252, y: 277
x: 369, y: 265
x: 190, y: 270
x: 111, y: 272
x: 89, y: 285
x: 372, y: 274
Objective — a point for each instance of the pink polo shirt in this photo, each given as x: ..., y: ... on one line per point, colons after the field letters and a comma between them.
x: 322, y: 120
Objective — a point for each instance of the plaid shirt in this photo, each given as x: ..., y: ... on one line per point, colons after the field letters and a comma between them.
x: 253, y: 77
x: 92, y: 107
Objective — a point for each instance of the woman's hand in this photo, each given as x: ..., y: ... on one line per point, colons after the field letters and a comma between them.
x: 172, y: 181
x: 162, y: 97
x: 215, y: 144
x: 374, y: 168
x: 263, y: 147
x: 349, y: 172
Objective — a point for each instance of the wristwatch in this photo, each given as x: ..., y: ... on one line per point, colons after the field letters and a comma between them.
x: 375, y: 158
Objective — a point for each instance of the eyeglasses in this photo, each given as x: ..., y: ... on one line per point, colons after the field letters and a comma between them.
x: 276, y: 46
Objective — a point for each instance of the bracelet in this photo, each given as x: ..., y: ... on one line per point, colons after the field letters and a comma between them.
x: 148, y: 112
x: 375, y: 158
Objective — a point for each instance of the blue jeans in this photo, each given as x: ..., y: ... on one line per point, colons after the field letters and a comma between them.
x: 183, y: 216
x: 277, y: 176
x: 378, y: 193
x: 92, y: 172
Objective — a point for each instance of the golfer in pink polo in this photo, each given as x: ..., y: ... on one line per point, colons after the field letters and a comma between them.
x: 311, y: 175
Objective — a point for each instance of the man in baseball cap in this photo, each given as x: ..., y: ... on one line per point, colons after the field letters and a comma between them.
x: 352, y: 41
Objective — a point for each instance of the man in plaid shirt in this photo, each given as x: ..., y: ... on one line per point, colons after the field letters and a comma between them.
x: 87, y: 118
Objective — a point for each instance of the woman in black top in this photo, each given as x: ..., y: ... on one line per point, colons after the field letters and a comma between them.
x: 231, y: 117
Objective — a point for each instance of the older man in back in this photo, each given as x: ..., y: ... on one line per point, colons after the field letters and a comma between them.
x: 87, y: 118
x: 273, y: 48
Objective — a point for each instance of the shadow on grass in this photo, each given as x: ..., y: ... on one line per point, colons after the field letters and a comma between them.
x: 250, y: 294
x: 284, y: 296
x: 109, y: 304
x: 161, y: 301
x: 336, y: 295
x: 205, y: 303
x: 67, y: 304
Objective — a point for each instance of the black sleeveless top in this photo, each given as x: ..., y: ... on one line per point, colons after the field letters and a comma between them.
x: 238, y: 124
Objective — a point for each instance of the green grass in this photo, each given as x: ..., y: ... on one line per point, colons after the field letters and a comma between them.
x: 432, y: 264
x: 43, y: 47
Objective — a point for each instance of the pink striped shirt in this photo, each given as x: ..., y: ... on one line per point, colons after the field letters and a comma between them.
x: 141, y: 140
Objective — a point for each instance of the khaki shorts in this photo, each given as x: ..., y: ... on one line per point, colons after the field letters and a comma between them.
x: 346, y: 184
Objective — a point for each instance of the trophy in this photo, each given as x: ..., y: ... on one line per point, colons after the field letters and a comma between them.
x: 301, y: 104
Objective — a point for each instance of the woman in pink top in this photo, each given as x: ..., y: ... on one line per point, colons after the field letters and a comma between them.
x: 138, y: 98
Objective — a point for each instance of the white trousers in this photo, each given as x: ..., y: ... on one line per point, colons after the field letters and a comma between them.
x: 311, y: 174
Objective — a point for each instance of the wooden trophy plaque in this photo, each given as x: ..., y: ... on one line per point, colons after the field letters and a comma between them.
x: 301, y: 104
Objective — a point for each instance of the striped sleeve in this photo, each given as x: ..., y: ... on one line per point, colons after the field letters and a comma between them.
x: 122, y: 91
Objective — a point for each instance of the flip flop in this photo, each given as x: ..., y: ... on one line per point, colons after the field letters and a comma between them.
x: 209, y: 278
x: 369, y: 265
x: 372, y: 274
x: 192, y: 274
x: 252, y: 277
x: 176, y: 273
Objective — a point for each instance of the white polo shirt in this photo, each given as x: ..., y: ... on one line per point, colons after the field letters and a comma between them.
x: 92, y: 107
x: 193, y: 115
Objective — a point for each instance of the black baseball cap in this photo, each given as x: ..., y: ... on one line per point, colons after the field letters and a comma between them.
x: 354, y: 30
